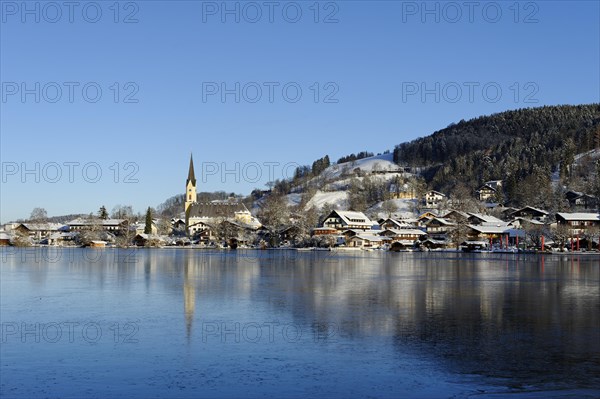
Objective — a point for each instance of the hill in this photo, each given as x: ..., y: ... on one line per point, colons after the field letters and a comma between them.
x: 520, y: 146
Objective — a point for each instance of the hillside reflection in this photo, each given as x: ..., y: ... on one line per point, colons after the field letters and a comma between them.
x: 505, y: 317
x: 530, y: 319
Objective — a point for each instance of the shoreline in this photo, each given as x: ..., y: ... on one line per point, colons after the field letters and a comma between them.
x: 312, y: 249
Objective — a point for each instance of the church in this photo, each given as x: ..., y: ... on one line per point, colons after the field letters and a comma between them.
x: 200, y: 216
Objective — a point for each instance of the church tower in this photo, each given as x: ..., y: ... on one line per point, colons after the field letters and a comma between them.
x: 190, y: 187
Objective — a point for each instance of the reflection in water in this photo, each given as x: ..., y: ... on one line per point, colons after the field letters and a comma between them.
x: 189, y: 296
x: 515, y: 320
x: 526, y: 318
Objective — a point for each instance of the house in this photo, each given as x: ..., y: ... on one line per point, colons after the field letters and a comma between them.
x: 424, y: 218
x: 61, y: 239
x: 402, y: 191
x: 401, y: 245
x: 485, y: 193
x: 437, y: 227
x: 178, y: 224
x: 432, y: 243
x: 323, y: 231
x: 218, y: 211
x: 343, y: 220
x: 395, y: 224
x: 479, y: 218
x: 39, y: 231
x: 578, y: 223
x: 489, y: 190
x: 114, y: 226
x: 502, y: 234
x: 456, y: 216
x: 199, y: 227
x: 4, y: 239
x: 530, y: 212
x: 403, y: 234
x: 143, y: 239
x: 486, y: 232
x: 98, y: 244
x: 433, y: 198
x: 367, y: 241
x: 140, y: 227
x: 506, y: 213
x: 525, y: 223
x: 289, y: 233
x: 581, y: 200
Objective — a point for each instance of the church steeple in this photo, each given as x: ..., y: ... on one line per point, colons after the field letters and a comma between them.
x: 190, y: 187
x: 191, y: 175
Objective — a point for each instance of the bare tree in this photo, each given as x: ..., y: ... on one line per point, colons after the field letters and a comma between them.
x: 561, y: 235
x: 535, y: 232
x: 389, y: 207
x: 274, y: 212
x: 459, y: 232
x: 38, y: 215
x: 164, y: 227
x: 589, y: 234
x: 122, y: 212
x: 462, y: 199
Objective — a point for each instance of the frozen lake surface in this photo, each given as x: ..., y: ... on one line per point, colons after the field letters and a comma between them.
x: 181, y: 323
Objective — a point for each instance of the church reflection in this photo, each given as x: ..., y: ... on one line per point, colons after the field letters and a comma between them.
x: 189, y: 295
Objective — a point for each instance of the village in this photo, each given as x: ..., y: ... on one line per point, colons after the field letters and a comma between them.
x: 434, y: 225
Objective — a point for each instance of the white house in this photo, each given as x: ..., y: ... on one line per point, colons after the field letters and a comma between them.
x: 433, y: 198
x: 344, y: 220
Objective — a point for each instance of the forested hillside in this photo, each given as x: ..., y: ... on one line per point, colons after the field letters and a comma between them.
x: 521, y: 146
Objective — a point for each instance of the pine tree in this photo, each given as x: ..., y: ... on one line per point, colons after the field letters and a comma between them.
x: 148, y: 227
x: 103, y: 213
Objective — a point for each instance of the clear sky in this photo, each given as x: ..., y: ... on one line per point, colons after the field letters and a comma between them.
x: 222, y: 80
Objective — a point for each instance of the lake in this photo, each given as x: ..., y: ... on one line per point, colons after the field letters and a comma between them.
x: 182, y: 323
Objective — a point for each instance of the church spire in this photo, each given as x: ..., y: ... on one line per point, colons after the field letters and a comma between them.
x: 190, y: 187
x: 191, y: 175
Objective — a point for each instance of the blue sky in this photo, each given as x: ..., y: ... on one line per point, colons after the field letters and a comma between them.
x: 361, y: 70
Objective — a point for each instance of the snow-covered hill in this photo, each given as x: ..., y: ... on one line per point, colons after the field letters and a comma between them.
x: 337, y: 199
x: 384, y: 162
x: 404, y: 209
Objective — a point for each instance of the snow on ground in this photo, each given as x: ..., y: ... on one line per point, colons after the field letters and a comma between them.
x: 592, y: 154
x: 339, y: 200
x: 595, y: 153
x: 404, y: 211
x: 293, y: 199
x: 378, y: 162
x: 343, y: 184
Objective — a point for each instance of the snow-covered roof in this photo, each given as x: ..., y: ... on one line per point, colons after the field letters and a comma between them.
x: 354, y: 218
x: 103, y: 222
x: 531, y: 208
x: 369, y: 237
x: 399, y: 223
x: 463, y: 214
x: 435, y: 193
x: 441, y: 221
x: 43, y: 226
x: 486, y: 218
x: 579, y: 216
x: 490, y: 229
x: 406, y: 243
x: 532, y: 221
x: 414, y: 232
x: 434, y: 241
x: 468, y: 242
x: 486, y: 187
